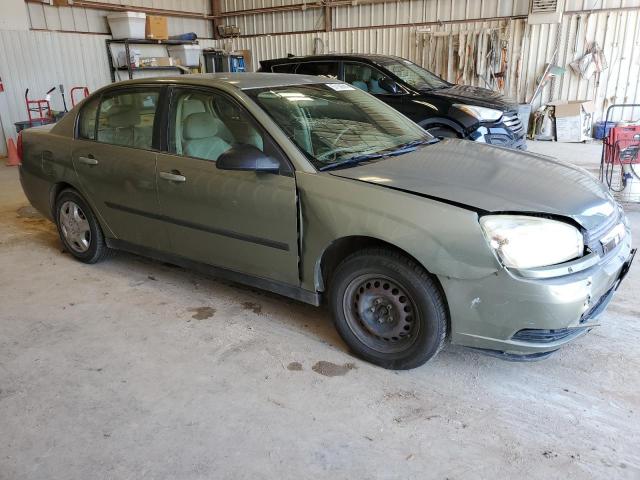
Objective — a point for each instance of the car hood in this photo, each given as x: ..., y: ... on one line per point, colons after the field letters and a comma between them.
x: 492, y: 179
x: 476, y: 96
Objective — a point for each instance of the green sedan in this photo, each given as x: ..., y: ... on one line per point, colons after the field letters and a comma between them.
x: 313, y: 189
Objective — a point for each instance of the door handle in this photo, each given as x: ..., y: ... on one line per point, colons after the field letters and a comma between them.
x: 173, y: 177
x: 88, y: 160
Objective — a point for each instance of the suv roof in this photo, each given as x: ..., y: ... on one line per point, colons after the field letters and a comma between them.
x: 372, y: 57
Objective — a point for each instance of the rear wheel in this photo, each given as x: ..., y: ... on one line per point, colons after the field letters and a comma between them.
x: 388, y: 309
x: 78, y: 228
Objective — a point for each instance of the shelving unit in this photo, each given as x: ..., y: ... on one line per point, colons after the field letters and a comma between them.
x: 140, y: 41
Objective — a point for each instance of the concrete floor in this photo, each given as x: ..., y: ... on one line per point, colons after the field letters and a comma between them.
x: 135, y: 369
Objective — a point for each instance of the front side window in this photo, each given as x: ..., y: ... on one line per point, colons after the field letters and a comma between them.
x: 319, y: 69
x: 337, y: 124
x: 205, y: 125
x: 364, y: 77
x: 412, y: 74
x: 127, y: 118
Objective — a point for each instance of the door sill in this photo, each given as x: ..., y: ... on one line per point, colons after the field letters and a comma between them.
x: 297, y: 293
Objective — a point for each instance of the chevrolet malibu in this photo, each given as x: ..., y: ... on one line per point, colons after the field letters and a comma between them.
x: 314, y: 189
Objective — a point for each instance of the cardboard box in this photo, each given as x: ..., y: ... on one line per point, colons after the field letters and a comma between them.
x: 157, y: 62
x: 574, y: 120
x: 157, y: 28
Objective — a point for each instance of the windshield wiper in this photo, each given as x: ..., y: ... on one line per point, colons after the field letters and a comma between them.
x: 351, y: 161
x: 399, y: 150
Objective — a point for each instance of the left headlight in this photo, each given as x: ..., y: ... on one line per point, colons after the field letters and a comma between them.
x: 481, y: 113
x: 522, y: 241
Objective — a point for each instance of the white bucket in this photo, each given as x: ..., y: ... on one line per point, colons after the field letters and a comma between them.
x: 187, y: 55
x: 127, y: 25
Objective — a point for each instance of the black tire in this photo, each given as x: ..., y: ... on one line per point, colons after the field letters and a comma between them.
x: 96, y: 248
x: 442, y: 132
x: 413, y: 307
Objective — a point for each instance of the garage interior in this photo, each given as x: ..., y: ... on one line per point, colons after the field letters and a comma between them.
x: 133, y: 368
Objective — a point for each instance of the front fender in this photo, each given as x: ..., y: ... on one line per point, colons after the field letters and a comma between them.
x: 445, y: 239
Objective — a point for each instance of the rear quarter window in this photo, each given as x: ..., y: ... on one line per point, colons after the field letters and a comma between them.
x: 87, y: 121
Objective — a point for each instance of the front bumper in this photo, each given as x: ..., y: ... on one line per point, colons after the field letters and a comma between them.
x: 515, y: 316
x: 501, y: 135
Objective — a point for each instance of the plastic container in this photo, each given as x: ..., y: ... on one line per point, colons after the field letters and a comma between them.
x: 186, y: 55
x: 601, y: 129
x: 127, y: 25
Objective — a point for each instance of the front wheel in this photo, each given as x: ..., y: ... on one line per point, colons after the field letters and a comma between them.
x: 442, y: 132
x: 388, y: 309
x: 79, y: 229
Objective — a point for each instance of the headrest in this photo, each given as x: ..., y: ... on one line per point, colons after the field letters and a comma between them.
x: 192, y: 105
x: 199, y: 125
x: 121, y: 116
x: 366, y: 74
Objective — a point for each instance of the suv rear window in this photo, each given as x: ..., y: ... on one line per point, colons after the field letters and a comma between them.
x: 284, y: 68
x: 322, y: 69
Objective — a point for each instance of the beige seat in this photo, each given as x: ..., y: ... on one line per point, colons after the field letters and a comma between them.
x: 201, y: 140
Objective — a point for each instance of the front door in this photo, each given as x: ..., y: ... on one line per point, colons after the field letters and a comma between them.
x: 116, y: 164
x: 367, y: 78
x: 241, y: 221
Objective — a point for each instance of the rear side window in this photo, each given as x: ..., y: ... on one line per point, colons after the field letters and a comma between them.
x: 87, y: 122
x: 127, y: 118
x: 321, y: 69
x: 284, y: 68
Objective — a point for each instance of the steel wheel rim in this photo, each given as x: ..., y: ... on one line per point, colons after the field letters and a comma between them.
x: 380, y: 313
x: 74, y: 226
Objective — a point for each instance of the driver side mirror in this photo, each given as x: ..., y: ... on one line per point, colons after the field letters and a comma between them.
x: 243, y: 157
x: 389, y: 85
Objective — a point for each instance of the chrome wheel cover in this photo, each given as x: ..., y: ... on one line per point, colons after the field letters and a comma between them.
x: 74, y: 226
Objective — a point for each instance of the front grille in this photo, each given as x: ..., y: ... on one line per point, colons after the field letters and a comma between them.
x: 513, y: 123
x: 535, y: 335
x: 592, y: 237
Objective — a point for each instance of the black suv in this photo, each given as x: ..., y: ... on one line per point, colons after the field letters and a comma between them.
x: 444, y: 109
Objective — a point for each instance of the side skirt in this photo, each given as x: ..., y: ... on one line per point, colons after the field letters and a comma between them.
x: 280, y: 288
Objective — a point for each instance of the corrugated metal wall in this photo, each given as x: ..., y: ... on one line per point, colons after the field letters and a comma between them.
x: 39, y: 60
x: 74, y: 19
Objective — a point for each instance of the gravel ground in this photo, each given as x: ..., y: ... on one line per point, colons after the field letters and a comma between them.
x: 136, y: 369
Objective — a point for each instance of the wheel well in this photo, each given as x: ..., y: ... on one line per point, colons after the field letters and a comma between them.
x: 55, y: 191
x: 343, y: 247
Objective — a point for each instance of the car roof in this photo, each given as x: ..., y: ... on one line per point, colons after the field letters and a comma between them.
x: 242, y: 81
x: 373, y: 57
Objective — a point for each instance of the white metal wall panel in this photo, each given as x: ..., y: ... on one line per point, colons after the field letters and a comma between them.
x: 72, y: 19
x: 41, y: 60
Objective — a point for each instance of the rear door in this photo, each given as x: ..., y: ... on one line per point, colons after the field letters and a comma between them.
x: 115, y: 158
x: 241, y: 221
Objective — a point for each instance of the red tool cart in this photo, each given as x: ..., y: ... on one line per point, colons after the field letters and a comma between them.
x: 619, y: 165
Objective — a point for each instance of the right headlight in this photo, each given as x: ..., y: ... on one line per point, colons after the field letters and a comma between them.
x: 483, y: 114
x: 523, y: 241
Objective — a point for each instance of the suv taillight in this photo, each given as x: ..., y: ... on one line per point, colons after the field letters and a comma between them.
x: 19, y: 146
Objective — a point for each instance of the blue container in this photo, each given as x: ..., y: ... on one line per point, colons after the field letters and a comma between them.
x: 601, y: 129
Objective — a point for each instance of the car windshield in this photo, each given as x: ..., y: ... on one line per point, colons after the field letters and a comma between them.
x: 412, y: 74
x: 337, y: 125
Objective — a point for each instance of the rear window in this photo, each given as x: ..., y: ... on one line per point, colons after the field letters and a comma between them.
x: 284, y: 68
x: 321, y: 69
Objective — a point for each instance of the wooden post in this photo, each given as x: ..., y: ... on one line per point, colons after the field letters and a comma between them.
x: 328, y: 20
x: 215, y: 11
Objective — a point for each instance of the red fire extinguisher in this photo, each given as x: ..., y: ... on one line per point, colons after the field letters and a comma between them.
x: 1, y: 86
